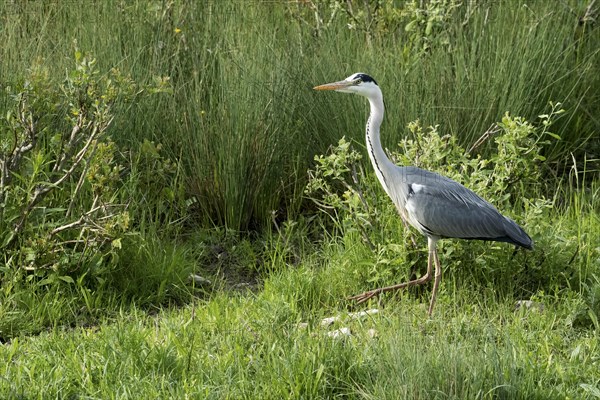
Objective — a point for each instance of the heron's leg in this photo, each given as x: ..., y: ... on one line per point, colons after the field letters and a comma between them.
x: 361, y: 298
x: 438, y: 278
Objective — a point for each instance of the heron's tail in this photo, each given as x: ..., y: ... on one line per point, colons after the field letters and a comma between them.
x: 516, y: 235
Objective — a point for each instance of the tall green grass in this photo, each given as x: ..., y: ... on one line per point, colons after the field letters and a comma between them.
x: 241, y: 116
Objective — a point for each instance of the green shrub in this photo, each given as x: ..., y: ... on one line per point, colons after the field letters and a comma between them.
x: 64, y: 212
x: 59, y: 209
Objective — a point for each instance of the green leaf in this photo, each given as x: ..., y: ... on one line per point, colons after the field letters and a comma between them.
x: 591, y: 389
x: 67, y: 279
x: 429, y: 27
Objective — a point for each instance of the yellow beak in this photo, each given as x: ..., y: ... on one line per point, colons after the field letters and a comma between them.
x: 334, y: 85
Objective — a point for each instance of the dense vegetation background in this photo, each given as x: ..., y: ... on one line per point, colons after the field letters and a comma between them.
x: 144, y: 143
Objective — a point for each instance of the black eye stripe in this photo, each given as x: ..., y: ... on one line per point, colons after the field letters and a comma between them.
x: 364, y: 78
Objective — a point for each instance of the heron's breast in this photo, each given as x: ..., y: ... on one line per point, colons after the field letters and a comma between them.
x: 412, y: 216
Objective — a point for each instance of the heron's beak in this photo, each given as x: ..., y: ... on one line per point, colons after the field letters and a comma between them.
x: 334, y: 86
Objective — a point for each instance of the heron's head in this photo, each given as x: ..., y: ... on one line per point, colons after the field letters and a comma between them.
x: 358, y: 83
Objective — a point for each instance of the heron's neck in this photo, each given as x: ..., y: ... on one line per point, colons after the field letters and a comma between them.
x: 381, y: 162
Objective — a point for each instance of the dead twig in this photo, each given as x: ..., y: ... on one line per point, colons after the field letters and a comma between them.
x: 491, y: 131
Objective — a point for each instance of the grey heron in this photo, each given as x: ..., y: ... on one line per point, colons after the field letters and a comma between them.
x: 433, y: 204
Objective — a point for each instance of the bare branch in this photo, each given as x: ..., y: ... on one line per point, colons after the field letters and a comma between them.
x: 43, y: 190
x: 78, y: 222
x: 491, y: 131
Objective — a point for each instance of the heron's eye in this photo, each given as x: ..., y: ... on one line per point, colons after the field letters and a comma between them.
x: 358, y: 81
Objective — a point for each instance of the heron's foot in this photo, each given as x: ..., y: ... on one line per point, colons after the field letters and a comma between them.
x: 361, y: 298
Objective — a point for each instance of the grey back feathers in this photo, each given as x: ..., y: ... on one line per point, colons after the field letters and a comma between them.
x: 440, y: 207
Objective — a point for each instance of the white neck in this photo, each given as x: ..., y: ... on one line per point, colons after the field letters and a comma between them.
x: 381, y: 162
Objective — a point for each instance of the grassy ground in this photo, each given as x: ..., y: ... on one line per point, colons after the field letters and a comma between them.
x: 213, y: 153
x: 252, y: 346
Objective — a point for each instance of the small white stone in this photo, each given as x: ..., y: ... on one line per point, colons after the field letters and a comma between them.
x: 200, y: 280
x: 302, y: 325
x: 340, y: 333
x: 529, y: 305
x: 329, y: 321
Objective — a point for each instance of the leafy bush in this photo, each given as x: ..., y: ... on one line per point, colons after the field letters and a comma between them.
x: 156, y: 182
x: 426, y: 24
x: 62, y: 214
